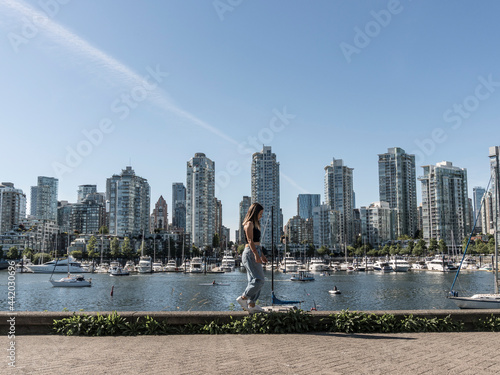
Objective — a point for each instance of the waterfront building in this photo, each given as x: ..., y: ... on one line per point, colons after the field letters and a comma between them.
x: 179, y: 205
x: 294, y: 230
x: 445, y: 203
x: 494, y: 154
x: 12, y: 207
x: 44, y: 198
x: 306, y: 203
x: 225, y: 238
x: 218, y: 219
x: 64, y: 209
x: 40, y: 234
x: 244, y: 206
x: 377, y: 224
x: 128, y: 197
x: 159, y: 217
x: 200, y: 200
x: 398, y: 187
x: 266, y: 191
x: 339, y: 195
x: 487, y: 215
x: 321, y: 225
x: 84, y: 190
x: 478, y: 194
x: 89, y: 215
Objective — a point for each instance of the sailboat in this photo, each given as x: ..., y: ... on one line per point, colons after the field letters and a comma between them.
x: 485, y: 300
x: 70, y: 280
x: 145, y: 261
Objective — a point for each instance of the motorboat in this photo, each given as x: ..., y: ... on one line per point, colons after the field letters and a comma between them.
x: 289, y: 264
x: 129, y: 266
x: 171, y: 266
x: 317, y: 265
x: 382, y: 266
x: 419, y: 266
x: 102, y: 268
x: 399, y: 264
x: 72, y: 281
x: 228, y: 263
x: 486, y: 267
x: 440, y: 264
x: 58, y: 266
x: 302, y: 276
x: 334, y: 291
x: 157, y: 267
x: 116, y: 269
x: 196, y: 265
x: 144, y: 265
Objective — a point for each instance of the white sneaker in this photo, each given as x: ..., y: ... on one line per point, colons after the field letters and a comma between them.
x: 243, y: 303
x: 255, y: 309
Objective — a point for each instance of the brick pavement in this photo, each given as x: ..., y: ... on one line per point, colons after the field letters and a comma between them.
x: 318, y: 353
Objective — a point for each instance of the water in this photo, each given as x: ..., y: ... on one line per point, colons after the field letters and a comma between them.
x: 181, y: 292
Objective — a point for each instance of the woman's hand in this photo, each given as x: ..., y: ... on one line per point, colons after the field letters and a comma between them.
x: 263, y: 258
x: 258, y: 259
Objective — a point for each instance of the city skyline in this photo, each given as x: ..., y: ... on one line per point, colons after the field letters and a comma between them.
x: 338, y: 80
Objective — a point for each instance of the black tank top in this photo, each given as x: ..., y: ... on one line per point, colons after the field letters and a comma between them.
x: 256, y: 234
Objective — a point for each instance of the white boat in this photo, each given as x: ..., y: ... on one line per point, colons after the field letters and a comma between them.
x: 317, y: 265
x: 72, y: 281
x: 102, y: 268
x: 171, y: 266
x: 382, y: 266
x: 157, y: 267
x: 399, y: 264
x: 196, y: 265
x: 144, y: 265
x: 302, y: 276
x: 228, y: 263
x: 334, y: 291
x: 129, y: 266
x: 116, y: 269
x: 486, y: 267
x: 289, y: 264
x: 440, y: 264
x: 58, y: 266
x: 419, y: 266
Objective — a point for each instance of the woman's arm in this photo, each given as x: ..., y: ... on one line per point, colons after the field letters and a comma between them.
x: 249, y: 233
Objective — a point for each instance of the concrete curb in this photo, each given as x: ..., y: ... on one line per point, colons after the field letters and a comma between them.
x: 40, y: 323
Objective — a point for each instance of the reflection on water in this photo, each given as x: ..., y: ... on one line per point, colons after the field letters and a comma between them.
x: 182, y: 292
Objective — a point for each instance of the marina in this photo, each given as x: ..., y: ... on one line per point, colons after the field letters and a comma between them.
x: 174, y: 291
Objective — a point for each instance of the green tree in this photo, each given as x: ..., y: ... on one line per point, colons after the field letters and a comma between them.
x: 420, y: 248
x: 28, y: 253
x: 311, y: 249
x: 385, y: 250
x: 126, y: 249
x: 241, y: 248
x: 13, y: 253
x: 405, y: 250
x: 115, y: 248
x: 433, y: 246
x: 41, y: 257
x: 92, y: 249
x: 103, y: 230
x: 322, y: 250
x: 442, y: 247
x: 393, y: 250
x: 77, y: 254
x: 481, y: 248
x: 411, y: 245
x: 491, y: 245
x: 195, y: 251
x: 372, y: 253
x: 215, y: 241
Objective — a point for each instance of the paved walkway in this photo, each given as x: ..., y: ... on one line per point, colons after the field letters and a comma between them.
x: 318, y: 353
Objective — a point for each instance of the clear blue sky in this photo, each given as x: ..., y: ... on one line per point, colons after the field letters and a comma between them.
x: 357, y: 77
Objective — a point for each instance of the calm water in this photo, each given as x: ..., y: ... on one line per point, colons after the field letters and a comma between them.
x: 182, y: 292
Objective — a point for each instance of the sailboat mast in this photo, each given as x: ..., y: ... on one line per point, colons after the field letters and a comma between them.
x: 272, y: 249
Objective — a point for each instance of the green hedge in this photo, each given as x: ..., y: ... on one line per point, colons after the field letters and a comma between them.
x: 294, y: 321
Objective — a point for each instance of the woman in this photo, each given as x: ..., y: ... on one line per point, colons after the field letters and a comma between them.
x: 252, y: 259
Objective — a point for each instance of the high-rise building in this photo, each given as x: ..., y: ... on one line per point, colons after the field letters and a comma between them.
x: 89, y: 215
x: 244, y: 206
x: 44, y: 199
x: 64, y: 210
x: 339, y: 196
x: 306, y: 203
x: 12, y: 207
x: 84, y: 190
x: 218, y: 218
x: 200, y: 200
x: 128, y: 197
x: 398, y: 187
x: 179, y: 205
x: 266, y: 191
x: 295, y: 230
x: 377, y: 224
x: 445, y: 203
x: 494, y: 155
x: 159, y: 217
x: 322, y: 225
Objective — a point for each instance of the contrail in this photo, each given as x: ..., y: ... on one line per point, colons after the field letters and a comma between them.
x: 99, y: 59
